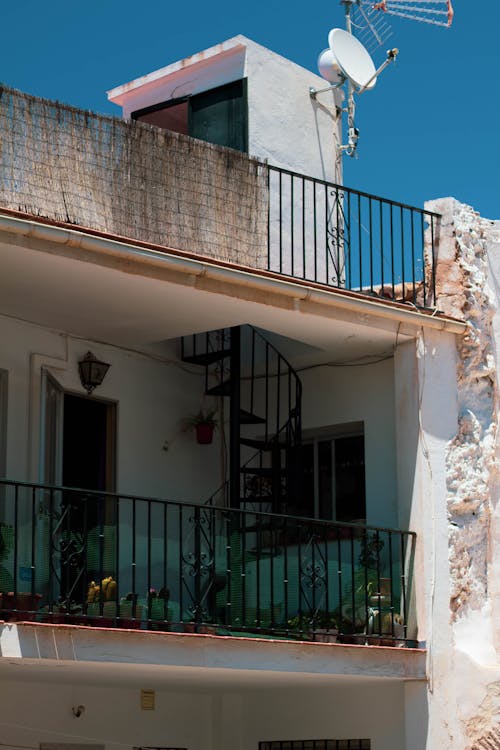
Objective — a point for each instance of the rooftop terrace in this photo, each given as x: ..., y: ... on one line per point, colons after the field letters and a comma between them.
x: 138, y: 182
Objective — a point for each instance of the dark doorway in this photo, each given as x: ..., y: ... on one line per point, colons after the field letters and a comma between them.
x: 87, y: 464
x: 87, y: 442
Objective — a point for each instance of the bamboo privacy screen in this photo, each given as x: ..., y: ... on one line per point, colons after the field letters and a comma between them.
x: 131, y: 179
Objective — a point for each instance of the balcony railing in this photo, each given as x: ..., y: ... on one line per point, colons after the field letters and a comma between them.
x: 112, y: 560
x: 154, y: 186
x: 330, y: 234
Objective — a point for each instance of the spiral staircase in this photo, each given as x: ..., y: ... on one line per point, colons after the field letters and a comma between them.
x: 262, y: 393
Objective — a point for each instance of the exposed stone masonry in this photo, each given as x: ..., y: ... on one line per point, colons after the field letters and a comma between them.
x: 463, y: 290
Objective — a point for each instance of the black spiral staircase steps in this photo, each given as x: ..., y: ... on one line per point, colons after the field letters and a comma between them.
x: 207, y: 358
x: 271, y: 448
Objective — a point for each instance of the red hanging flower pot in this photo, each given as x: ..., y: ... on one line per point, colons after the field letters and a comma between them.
x: 204, y: 433
x: 204, y: 423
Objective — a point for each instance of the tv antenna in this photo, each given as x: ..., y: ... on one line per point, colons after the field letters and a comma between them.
x: 371, y: 19
x: 347, y: 61
x: 371, y: 27
x: 437, y: 12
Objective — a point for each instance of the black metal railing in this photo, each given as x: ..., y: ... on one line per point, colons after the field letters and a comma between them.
x: 327, y: 233
x: 122, y: 561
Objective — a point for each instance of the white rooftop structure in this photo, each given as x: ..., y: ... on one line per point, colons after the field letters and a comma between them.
x: 243, y: 95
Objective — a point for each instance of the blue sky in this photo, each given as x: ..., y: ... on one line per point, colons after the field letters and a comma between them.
x: 429, y: 129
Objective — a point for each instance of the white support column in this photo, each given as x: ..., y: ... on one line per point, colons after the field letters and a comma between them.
x: 437, y: 394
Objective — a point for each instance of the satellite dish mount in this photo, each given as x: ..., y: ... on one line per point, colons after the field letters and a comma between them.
x: 348, y: 62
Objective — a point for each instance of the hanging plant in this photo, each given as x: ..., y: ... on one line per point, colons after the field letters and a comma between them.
x: 203, y: 423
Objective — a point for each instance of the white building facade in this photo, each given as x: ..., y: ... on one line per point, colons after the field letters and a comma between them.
x: 290, y: 580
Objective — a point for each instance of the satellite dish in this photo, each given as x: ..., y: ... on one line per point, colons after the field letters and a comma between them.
x: 329, y: 68
x: 347, y: 61
x: 352, y: 58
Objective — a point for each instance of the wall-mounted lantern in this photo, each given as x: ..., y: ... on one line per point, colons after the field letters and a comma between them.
x: 92, y: 372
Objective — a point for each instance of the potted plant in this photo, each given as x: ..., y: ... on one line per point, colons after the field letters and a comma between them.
x: 158, y: 612
x: 15, y: 605
x: 325, y: 629
x: 6, y: 544
x: 103, y: 610
x: 385, y: 622
x: 316, y: 626
x: 130, y: 612
x: 62, y: 612
x: 355, y: 615
x: 203, y: 423
x: 98, y: 596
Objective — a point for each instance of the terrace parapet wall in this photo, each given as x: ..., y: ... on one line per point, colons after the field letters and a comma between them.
x: 132, y: 180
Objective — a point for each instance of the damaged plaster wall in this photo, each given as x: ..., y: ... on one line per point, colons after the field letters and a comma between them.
x: 467, y: 284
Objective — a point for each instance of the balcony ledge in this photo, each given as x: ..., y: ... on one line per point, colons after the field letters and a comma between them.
x: 199, y: 656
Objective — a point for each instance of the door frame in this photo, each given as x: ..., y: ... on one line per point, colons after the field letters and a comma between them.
x: 57, y: 459
x: 4, y: 411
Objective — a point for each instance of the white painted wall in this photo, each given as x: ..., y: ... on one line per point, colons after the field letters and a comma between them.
x: 436, y: 377
x: 407, y: 427
x: 203, y: 720
x: 344, y: 711
x: 152, y: 397
x: 31, y: 714
x: 416, y: 715
x: 338, y: 395
x: 286, y: 126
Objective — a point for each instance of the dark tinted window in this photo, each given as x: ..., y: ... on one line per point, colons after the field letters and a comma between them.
x: 218, y: 116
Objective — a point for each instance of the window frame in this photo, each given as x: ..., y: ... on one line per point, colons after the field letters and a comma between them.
x: 330, y: 434
x: 136, y: 114
x: 168, y: 103
x: 331, y: 744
